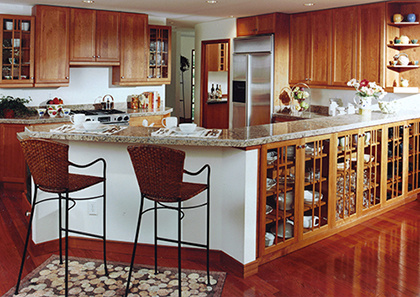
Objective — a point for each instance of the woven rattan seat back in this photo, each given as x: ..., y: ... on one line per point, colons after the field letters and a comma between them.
x: 159, y: 171
x: 48, y: 163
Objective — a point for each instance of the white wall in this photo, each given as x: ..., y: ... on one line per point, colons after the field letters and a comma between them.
x: 224, y: 29
x: 86, y: 83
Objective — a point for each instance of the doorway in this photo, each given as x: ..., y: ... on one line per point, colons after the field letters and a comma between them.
x: 215, y: 64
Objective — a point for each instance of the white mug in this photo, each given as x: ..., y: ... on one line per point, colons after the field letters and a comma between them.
x: 78, y: 119
x: 307, y: 221
x: 367, y: 137
x: 170, y: 122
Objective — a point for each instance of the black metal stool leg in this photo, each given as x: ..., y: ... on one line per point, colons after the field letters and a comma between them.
x: 208, y: 235
x: 28, y: 233
x: 155, y: 211
x: 60, y: 227
x: 104, y: 227
x: 135, y: 246
x: 179, y: 248
x: 66, y: 265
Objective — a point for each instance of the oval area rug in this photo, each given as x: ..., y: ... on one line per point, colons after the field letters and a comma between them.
x: 87, y: 278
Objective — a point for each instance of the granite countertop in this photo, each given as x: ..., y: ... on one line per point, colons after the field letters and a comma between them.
x: 33, y: 120
x: 239, y: 137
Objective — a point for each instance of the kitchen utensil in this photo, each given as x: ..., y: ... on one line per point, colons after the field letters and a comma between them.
x: 170, y: 122
x: 187, y: 127
x: 109, y: 102
x: 307, y: 221
x: 289, y: 200
x: 78, y: 119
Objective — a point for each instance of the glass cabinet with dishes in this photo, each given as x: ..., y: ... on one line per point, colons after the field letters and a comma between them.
x: 414, y: 156
x: 294, y: 191
x: 17, y: 58
x: 159, y: 54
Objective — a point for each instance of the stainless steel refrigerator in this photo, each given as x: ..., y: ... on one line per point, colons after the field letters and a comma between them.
x: 252, y: 83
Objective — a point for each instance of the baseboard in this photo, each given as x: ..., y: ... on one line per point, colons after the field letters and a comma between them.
x: 229, y: 264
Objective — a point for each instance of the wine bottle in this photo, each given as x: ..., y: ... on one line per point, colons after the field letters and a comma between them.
x: 212, y: 91
x: 219, y: 94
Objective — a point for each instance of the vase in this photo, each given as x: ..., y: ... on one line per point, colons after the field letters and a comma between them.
x: 364, y: 104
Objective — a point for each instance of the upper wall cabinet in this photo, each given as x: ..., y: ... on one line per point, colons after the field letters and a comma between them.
x: 260, y: 24
x: 17, y: 56
x: 94, y: 37
x: 52, y: 45
x: 134, y: 51
x: 159, y: 46
x: 310, y: 43
x: 217, y: 57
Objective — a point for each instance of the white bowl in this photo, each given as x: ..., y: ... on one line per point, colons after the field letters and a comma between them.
x: 187, y: 127
x: 91, y: 125
x: 289, y: 230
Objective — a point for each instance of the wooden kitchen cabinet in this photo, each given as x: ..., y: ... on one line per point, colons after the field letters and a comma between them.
x: 255, y: 25
x: 217, y: 60
x: 413, y: 156
x: 159, y: 46
x: 294, y: 192
x: 344, y: 45
x: 17, y: 55
x: 94, y: 37
x: 52, y: 45
x: 134, y: 51
x: 371, y: 49
x: 310, y: 48
x: 12, y: 164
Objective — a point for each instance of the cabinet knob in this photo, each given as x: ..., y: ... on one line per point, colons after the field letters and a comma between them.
x: 98, y: 56
x: 408, y: 126
x: 94, y: 57
x: 122, y: 76
x: 67, y: 77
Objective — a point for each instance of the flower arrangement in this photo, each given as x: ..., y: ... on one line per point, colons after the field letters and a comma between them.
x: 300, y: 95
x: 367, y: 89
x: 11, y: 107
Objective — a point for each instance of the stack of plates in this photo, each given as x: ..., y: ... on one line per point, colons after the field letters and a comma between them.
x: 309, y: 196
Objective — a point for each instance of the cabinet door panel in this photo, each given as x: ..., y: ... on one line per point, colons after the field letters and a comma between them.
x: 371, y: 42
x: 299, y: 48
x: 246, y: 26
x: 133, y: 47
x: 414, y: 156
x: 52, y: 45
x: 344, y: 45
x: 82, y: 35
x: 108, y: 36
x: 321, y: 47
x: 266, y: 23
x: 11, y: 156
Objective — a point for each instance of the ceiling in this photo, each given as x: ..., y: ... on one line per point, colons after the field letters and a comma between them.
x: 188, y: 13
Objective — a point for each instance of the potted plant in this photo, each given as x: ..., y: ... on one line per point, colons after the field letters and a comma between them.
x: 11, y: 107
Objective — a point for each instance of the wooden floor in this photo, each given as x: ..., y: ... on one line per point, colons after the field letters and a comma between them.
x: 380, y: 257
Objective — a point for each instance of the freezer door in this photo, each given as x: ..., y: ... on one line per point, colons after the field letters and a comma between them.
x: 239, y: 104
x: 259, y: 89
x: 240, y: 67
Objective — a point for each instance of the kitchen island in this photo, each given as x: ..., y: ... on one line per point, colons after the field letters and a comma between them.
x: 239, y: 195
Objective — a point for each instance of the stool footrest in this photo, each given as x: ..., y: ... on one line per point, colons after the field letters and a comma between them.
x: 182, y: 242
x: 84, y: 233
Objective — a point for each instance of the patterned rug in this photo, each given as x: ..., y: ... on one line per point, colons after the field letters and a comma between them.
x: 87, y: 278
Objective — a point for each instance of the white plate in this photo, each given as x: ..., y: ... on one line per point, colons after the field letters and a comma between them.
x: 100, y: 128
x: 198, y: 130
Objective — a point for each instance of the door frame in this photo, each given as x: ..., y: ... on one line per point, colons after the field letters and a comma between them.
x: 204, y: 75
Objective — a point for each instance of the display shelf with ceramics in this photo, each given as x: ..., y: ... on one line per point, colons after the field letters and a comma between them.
x: 402, y: 57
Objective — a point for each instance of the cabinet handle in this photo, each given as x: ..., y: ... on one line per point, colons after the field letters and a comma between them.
x: 94, y: 57
x: 98, y: 56
x: 122, y: 76
x: 67, y: 77
x: 301, y: 146
x: 408, y: 126
x: 28, y: 213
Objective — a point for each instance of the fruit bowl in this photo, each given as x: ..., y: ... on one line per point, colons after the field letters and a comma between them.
x: 389, y: 106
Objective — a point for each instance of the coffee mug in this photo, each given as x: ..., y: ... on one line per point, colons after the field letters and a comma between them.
x: 170, y: 122
x: 78, y: 119
x: 307, y: 221
x: 367, y: 137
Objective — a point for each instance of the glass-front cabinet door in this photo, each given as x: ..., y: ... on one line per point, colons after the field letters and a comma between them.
x: 159, y: 54
x: 278, y: 194
x: 395, y: 149
x: 17, y: 36
x: 316, y: 185
x: 414, y: 156
x: 370, y: 160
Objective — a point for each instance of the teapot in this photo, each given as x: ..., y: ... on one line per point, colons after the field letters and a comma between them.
x: 402, y: 59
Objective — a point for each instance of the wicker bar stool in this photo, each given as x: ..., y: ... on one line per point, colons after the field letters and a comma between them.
x: 159, y: 172
x: 49, y: 165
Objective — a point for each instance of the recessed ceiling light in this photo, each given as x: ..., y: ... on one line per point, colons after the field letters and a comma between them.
x: 88, y: 1
x: 309, y: 4
x: 211, y: 1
